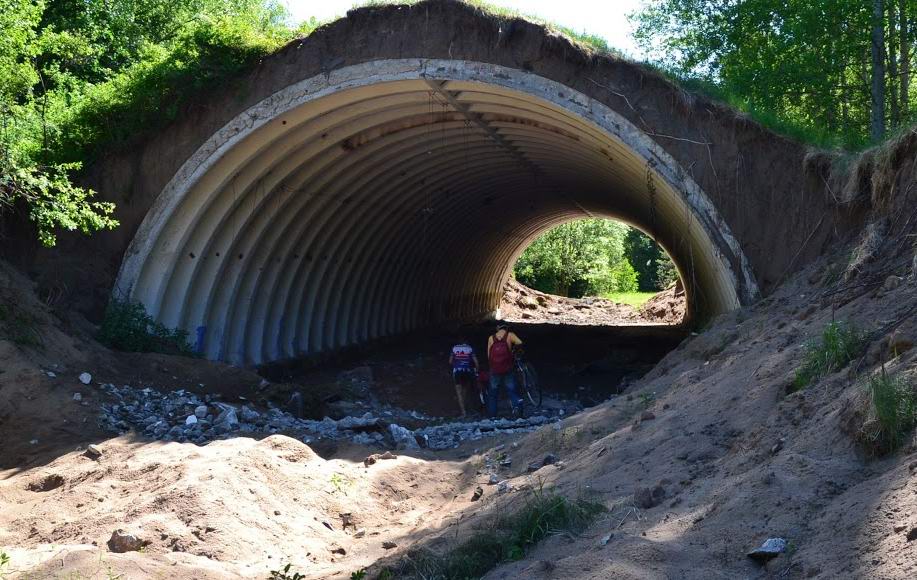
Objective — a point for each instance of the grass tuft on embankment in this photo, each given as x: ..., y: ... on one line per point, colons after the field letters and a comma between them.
x: 509, y: 538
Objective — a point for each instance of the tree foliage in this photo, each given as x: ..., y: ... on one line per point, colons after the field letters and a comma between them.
x: 590, y: 256
x: 77, y: 76
x: 804, y: 66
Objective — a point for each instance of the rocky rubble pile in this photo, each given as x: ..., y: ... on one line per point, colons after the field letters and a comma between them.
x: 185, y: 417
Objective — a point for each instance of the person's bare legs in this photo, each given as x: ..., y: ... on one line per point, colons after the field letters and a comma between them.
x: 460, y: 395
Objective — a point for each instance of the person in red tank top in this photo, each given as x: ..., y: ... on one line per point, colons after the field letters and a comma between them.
x: 502, y: 369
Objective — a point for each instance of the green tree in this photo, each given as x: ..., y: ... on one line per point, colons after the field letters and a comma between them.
x: 809, y: 63
x: 77, y: 76
x: 577, y: 258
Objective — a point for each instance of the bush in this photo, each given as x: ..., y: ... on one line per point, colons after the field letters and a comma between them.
x: 128, y: 327
x: 893, y: 412
x: 510, y: 539
x: 840, y: 343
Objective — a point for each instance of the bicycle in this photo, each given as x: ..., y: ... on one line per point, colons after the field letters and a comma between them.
x: 528, y: 380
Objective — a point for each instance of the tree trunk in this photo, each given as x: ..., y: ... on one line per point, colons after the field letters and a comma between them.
x: 878, y: 71
x: 904, y: 32
x: 892, y: 54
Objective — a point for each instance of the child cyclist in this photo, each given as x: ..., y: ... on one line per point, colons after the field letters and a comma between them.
x: 464, y: 371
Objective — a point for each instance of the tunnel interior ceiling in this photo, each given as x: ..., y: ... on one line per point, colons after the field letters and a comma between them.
x: 384, y: 197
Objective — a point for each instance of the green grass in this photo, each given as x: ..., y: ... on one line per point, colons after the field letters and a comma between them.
x: 635, y: 299
x: 591, y: 42
x: 19, y: 327
x: 893, y: 412
x: 128, y: 327
x: 509, y: 539
x: 839, y: 343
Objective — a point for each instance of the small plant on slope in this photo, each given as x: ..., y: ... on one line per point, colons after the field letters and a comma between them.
x: 892, y: 414
x: 839, y: 343
x: 285, y: 574
x: 128, y: 327
x: 510, y: 538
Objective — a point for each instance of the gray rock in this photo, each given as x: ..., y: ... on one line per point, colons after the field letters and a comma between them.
x: 249, y: 415
x: 121, y: 542
x: 770, y: 549
x: 404, y: 439
x: 227, y: 419
x: 85, y: 378
x: 93, y: 452
x: 201, y: 411
x: 77, y: 397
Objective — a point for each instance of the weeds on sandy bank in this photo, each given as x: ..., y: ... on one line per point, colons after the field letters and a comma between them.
x: 509, y: 538
x: 128, y: 327
x: 839, y: 343
x: 18, y: 326
x: 892, y: 414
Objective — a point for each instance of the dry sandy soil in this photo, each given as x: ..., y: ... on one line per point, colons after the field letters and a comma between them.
x: 523, y: 304
x: 735, y: 457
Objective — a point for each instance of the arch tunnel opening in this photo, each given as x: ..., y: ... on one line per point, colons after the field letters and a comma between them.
x: 389, y: 196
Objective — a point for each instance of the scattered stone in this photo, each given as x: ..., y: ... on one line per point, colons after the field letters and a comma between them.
x: 200, y: 411
x: 339, y: 550
x: 121, y: 542
x: 494, y: 480
x: 899, y: 342
x: 648, y: 498
x: 404, y: 439
x: 389, y: 545
x: 327, y: 525
x: 77, y: 397
x: 93, y: 452
x: 371, y: 460
x: 478, y: 493
x: 191, y: 420
x: 503, y: 487
x: 892, y: 283
x: 85, y: 378
x: 359, y: 533
x: 51, y: 374
x: 778, y: 446
x: 647, y: 416
x: 770, y: 549
x: 264, y: 384
x: 900, y: 528
x: 546, y: 565
x: 276, y: 512
x: 248, y: 415
x: 605, y: 539
x: 33, y: 442
x: 534, y: 466
x: 347, y: 520
x: 912, y: 535
x: 549, y: 459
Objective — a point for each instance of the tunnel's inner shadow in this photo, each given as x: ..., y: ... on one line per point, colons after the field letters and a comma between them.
x: 574, y: 362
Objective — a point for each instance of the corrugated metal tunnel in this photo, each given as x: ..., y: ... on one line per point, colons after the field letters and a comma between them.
x: 386, y: 196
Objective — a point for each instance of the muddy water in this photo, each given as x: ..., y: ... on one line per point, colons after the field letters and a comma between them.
x: 585, y: 363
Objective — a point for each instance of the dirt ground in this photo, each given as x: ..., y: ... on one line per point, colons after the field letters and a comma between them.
x: 523, y: 304
x: 733, y: 456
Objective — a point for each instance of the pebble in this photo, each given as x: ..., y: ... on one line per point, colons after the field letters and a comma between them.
x: 85, y: 378
x: 770, y: 549
x: 93, y: 452
x: 389, y: 545
x: 200, y: 411
x: 191, y: 420
x: 121, y: 542
x: 77, y: 397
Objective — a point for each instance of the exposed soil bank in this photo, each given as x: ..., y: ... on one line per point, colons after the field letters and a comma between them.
x: 523, y: 304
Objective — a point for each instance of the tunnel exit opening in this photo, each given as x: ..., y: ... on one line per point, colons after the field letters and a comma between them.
x: 598, y: 272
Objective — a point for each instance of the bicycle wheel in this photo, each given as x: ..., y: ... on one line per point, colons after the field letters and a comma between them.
x: 530, y: 384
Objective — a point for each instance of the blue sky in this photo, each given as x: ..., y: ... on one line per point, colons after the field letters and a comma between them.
x: 605, y: 18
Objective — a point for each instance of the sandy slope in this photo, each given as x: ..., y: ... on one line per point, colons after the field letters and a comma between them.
x: 739, y: 460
